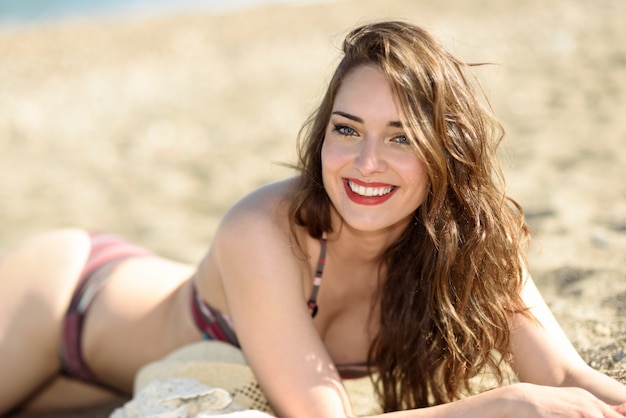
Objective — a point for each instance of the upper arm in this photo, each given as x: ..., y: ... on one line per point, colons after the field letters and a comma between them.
x: 542, y: 352
x: 261, y: 275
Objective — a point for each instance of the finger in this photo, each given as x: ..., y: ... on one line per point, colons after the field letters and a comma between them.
x: 621, y: 409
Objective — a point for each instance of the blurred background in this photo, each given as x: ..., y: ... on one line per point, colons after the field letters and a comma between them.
x: 151, y: 118
x: 21, y: 12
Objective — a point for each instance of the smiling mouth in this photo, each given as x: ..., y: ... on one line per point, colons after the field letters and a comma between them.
x: 370, y: 191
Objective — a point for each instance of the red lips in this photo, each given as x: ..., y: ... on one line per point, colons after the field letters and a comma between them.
x: 367, y: 200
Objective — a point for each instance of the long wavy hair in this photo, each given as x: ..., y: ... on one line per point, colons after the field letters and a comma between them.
x: 454, y: 276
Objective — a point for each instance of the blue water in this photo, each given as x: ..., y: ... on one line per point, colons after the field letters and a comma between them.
x: 18, y: 12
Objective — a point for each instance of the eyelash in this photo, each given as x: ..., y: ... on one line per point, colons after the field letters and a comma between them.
x: 405, y: 140
x: 342, y: 130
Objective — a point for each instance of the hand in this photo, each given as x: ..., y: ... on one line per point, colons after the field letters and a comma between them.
x: 546, y: 401
x: 621, y: 408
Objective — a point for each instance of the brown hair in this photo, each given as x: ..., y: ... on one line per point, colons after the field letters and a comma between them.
x: 455, y: 275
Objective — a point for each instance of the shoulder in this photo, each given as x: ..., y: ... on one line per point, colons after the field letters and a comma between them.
x: 253, y: 251
x: 263, y: 210
x: 252, y: 244
x: 263, y: 278
x: 258, y: 229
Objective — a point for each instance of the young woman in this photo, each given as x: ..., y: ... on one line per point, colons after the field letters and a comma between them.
x: 394, y: 252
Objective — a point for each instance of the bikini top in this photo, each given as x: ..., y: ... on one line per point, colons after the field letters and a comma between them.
x: 216, y: 325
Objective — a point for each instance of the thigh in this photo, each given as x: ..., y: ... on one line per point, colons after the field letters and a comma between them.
x: 64, y: 393
x: 37, y: 280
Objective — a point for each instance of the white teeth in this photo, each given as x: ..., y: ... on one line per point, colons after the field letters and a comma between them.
x: 369, y: 191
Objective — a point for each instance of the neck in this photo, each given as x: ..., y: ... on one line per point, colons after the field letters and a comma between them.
x: 365, y: 246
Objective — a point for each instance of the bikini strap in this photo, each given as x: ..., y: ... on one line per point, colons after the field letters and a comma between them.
x: 312, y: 303
x: 213, y: 324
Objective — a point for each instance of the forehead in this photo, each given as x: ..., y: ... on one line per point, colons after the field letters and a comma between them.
x: 365, y: 91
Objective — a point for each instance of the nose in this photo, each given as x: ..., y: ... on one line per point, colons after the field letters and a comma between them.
x: 370, y: 157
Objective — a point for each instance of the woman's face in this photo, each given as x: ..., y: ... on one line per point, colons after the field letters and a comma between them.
x: 371, y: 173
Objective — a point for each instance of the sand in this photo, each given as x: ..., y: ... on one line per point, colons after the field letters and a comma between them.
x: 152, y: 128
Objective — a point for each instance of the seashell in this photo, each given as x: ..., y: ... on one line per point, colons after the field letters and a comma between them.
x: 250, y: 413
x: 177, y: 398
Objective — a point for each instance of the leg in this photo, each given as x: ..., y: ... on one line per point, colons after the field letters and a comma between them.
x: 64, y: 393
x: 37, y: 280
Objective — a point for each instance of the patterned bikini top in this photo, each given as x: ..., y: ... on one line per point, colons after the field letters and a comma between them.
x: 317, y: 280
x: 216, y: 325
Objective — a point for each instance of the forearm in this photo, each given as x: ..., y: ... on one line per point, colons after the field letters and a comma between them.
x: 528, y: 400
x: 602, y: 386
x: 494, y: 403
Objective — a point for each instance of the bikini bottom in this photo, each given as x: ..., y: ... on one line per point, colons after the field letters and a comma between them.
x: 107, y: 251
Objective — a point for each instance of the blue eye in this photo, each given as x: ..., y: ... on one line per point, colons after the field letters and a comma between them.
x: 401, y: 139
x: 344, y: 130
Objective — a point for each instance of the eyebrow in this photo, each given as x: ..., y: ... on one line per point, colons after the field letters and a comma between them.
x: 393, y: 123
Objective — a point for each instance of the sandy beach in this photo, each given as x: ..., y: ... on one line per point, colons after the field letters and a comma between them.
x: 153, y: 127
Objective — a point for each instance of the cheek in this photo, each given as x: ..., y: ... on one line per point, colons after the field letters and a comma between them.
x: 412, y: 168
x: 418, y: 176
x: 331, y: 158
x: 333, y: 163
x: 327, y: 163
